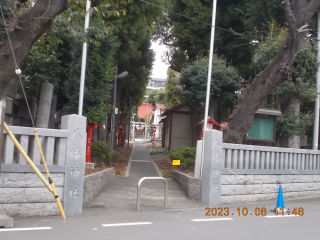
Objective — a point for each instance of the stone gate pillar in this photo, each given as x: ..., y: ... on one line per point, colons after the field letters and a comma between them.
x: 75, y: 163
x: 212, y: 165
x: 44, y: 105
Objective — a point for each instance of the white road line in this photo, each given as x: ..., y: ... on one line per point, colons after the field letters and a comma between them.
x: 24, y: 229
x: 140, y: 161
x: 211, y: 219
x: 125, y: 224
x: 282, y: 216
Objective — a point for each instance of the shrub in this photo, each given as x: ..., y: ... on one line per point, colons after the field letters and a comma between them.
x: 114, y: 156
x: 156, y: 150
x: 186, y: 155
x: 102, y: 155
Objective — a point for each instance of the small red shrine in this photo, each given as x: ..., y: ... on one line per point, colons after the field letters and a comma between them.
x: 90, y: 126
x: 211, y: 124
x: 121, y: 128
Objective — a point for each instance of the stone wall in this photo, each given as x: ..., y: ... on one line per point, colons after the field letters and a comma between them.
x: 190, y: 185
x: 226, y: 165
x: 235, y: 189
x: 93, y: 183
x: 24, y: 195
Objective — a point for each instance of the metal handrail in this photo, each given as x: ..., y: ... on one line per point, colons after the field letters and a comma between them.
x: 152, y: 178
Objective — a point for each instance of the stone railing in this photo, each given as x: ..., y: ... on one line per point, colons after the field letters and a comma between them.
x: 242, y: 173
x: 255, y: 171
x: 247, y: 159
x: 22, y: 193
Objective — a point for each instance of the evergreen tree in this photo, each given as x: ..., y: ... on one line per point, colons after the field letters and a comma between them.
x: 172, y: 95
x: 224, y: 83
x: 296, y: 92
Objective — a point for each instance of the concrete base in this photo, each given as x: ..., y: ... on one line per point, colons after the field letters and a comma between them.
x: 89, y: 165
x: 5, y: 221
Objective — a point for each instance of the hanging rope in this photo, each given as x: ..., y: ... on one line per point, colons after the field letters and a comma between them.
x: 295, y: 172
x: 242, y: 177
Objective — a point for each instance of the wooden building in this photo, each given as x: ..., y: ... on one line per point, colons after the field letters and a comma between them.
x: 176, y: 127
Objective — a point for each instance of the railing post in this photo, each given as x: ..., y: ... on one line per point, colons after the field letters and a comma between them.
x: 213, y: 162
x: 75, y: 163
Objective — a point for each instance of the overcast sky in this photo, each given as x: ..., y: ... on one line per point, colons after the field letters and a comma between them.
x: 159, y: 68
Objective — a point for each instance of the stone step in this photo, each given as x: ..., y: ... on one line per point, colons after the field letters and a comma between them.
x: 5, y: 221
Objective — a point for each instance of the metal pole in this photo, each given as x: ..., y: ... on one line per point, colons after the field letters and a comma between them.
x: 2, y: 118
x: 214, y: 7
x: 133, y: 128
x: 316, y: 110
x: 129, y: 122
x: 84, y: 60
x: 114, y: 107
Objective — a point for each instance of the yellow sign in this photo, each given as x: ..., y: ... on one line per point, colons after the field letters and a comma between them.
x: 175, y: 162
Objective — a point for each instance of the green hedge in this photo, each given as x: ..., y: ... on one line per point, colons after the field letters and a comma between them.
x: 186, y: 155
x: 102, y: 155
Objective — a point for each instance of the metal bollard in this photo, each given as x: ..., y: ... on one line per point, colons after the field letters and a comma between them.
x: 152, y: 178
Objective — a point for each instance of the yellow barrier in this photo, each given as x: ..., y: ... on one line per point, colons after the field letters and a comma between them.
x: 55, y: 194
x: 17, y: 144
x: 50, y: 186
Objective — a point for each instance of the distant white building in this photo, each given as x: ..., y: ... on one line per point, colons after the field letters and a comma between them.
x: 155, y: 83
x: 157, y: 111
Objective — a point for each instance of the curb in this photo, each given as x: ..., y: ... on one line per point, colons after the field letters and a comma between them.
x: 129, y: 163
x: 157, y: 169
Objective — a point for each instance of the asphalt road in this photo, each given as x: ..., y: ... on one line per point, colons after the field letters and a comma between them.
x: 178, y: 224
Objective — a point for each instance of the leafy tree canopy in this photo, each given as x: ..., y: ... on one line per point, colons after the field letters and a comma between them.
x: 119, y: 32
x: 225, y: 81
x: 298, y: 85
x: 157, y: 96
x: 172, y: 95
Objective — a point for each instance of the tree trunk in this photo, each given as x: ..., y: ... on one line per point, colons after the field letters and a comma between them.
x: 294, y: 107
x: 213, y: 109
x: 94, y: 135
x: 108, y: 128
x: 195, y: 119
x: 102, y: 132
x: 298, y: 14
x: 27, y: 29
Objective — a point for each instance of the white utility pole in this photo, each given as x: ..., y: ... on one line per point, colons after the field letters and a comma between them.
x: 316, y: 110
x: 84, y: 59
x: 114, y: 108
x: 214, y: 8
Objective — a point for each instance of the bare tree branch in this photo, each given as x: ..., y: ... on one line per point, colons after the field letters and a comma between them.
x: 303, y: 29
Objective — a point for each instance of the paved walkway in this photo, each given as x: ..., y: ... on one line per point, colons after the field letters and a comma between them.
x: 120, y: 195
